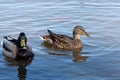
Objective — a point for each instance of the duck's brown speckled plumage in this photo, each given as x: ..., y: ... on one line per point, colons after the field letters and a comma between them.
x: 64, y: 42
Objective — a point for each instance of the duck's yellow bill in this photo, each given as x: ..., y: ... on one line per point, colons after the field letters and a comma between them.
x: 23, y: 43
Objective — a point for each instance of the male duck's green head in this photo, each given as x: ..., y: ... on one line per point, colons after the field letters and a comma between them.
x: 22, y: 40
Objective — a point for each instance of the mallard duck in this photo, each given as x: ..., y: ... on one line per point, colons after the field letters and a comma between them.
x: 17, y: 49
x: 64, y: 42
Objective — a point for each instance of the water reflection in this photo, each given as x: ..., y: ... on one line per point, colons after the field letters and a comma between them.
x: 77, y: 57
x: 22, y: 71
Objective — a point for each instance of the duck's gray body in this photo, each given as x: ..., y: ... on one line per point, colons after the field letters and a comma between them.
x: 9, y: 49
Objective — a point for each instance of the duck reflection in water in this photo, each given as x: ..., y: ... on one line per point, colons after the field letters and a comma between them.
x: 76, y: 56
x: 22, y: 71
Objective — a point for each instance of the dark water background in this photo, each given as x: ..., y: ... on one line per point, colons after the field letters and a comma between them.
x: 100, y: 57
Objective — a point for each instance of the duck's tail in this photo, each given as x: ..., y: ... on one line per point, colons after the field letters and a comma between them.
x: 5, y: 37
x: 2, y: 41
x: 52, y: 36
x: 9, y: 37
x: 41, y: 37
x: 50, y: 32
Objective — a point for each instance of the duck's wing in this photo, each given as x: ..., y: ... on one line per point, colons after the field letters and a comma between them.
x: 10, y: 44
x: 60, y: 39
x: 9, y: 49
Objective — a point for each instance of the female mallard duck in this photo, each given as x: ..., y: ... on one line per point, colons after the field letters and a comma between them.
x: 17, y: 48
x: 64, y: 42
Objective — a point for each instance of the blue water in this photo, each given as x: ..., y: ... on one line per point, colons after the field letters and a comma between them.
x: 100, y: 57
